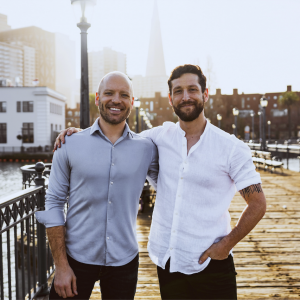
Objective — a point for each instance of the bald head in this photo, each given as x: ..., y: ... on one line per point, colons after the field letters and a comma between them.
x: 115, y: 76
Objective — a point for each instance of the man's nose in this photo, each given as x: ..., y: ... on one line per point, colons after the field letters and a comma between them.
x: 185, y: 95
x: 116, y: 98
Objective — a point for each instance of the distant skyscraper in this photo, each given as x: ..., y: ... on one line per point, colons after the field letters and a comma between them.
x: 3, y: 23
x: 103, y: 62
x: 156, y: 78
x: 54, y: 58
x: 18, y: 65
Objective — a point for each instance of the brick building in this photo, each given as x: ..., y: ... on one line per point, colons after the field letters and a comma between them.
x: 248, y: 103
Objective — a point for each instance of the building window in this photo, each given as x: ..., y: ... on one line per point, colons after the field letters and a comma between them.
x: 3, y: 133
x: 274, y: 105
x: 3, y: 106
x: 147, y: 103
x: 151, y: 105
x: 243, y: 102
x: 254, y: 98
x: 59, y: 127
x: 55, y: 109
x: 275, y: 97
x: 69, y: 113
x: 248, y: 98
x: 18, y: 106
x: 27, y: 106
x: 147, y: 109
x: 77, y: 113
x: 27, y: 133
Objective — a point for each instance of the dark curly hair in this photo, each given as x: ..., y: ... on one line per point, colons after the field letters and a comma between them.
x: 184, y: 69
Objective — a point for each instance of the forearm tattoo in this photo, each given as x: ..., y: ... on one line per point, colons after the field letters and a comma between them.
x: 255, y: 188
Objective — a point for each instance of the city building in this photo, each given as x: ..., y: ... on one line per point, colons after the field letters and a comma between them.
x: 3, y: 23
x: 156, y: 79
x: 102, y: 62
x: 54, y: 58
x: 159, y: 109
x: 36, y: 114
x: 72, y: 117
x: 250, y: 103
x: 17, y: 64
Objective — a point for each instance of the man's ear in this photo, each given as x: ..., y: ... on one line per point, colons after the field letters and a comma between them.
x: 170, y: 99
x: 132, y: 101
x: 97, y: 99
x: 206, y: 94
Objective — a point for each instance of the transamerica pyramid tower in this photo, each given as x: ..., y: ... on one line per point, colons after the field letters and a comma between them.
x: 156, y: 61
x: 156, y: 79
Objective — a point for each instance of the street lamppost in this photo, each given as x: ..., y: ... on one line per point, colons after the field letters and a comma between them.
x: 263, y: 104
x: 83, y: 10
x: 235, y: 112
x: 219, y: 118
x: 269, y: 129
x: 252, y: 115
x: 142, y: 113
x: 259, y: 114
x: 233, y: 127
x: 137, y: 104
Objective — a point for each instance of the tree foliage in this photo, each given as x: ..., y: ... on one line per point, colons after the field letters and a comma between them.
x: 288, y: 99
x: 94, y: 112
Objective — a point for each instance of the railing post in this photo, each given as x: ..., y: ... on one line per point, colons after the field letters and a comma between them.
x: 41, y: 232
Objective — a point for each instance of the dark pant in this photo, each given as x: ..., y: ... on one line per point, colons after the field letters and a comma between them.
x: 115, y: 282
x: 216, y: 281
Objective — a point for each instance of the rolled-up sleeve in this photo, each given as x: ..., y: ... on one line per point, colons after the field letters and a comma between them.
x: 153, y: 168
x: 58, y: 187
x: 241, y: 167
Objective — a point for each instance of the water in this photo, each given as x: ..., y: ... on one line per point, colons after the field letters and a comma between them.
x: 293, y: 164
x: 10, y: 177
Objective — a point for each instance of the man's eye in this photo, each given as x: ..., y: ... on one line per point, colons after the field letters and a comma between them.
x: 108, y: 93
x: 193, y: 90
x: 177, y: 92
x: 125, y: 95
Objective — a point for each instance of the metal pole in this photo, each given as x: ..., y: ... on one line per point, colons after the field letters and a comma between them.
x: 41, y: 232
x: 219, y: 123
x: 84, y: 82
x: 287, y: 155
x: 137, y: 119
x: 253, y: 127
x: 235, y: 123
x: 269, y: 131
x: 260, y: 130
x: 142, y: 123
x: 264, y: 130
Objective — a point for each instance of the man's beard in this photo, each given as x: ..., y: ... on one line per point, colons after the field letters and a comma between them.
x: 192, y: 114
x: 106, y: 117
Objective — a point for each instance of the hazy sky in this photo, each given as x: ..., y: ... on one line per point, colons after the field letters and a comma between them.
x: 254, y: 45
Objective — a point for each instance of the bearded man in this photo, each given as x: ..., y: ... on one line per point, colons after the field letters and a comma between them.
x: 200, y: 169
x: 103, y: 170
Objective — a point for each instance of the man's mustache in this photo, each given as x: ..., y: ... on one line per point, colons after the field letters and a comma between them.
x: 186, y: 103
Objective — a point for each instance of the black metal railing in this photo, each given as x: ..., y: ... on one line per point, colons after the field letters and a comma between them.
x: 29, y: 173
x: 25, y: 259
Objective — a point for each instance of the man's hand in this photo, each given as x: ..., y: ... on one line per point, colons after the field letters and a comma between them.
x: 217, y: 251
x: 65, y: 282
x: 61, y: 137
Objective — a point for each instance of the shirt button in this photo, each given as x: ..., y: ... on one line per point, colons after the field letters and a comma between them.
x: 109, y: 202
x: 112, y: 164
x: 108, y: 237
x: 111, y: 183
x: 176, y: 214
x: 181, y: 178
x: 171, y: 248
x: 173, y: 231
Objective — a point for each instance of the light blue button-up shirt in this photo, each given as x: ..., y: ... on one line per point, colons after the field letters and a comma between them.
x: 104, y: 182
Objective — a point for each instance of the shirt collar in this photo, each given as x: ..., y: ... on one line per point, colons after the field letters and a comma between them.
x: 182, y: 132
x: 96, y: 127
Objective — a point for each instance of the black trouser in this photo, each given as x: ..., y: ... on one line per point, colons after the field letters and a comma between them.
x: 115, y: 282
x: 216, y: 281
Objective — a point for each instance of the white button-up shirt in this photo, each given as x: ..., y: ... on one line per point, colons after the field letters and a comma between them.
x: 194, y: 192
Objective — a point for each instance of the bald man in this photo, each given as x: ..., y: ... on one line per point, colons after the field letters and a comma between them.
x: 102, y: 170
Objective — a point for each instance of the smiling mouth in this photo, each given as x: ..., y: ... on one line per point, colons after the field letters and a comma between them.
x: 114, y: 110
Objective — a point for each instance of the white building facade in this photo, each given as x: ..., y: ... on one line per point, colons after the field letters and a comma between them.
x: 35, y: 113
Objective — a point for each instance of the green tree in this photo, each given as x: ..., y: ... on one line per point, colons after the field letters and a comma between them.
x: 94, y: 112
x: 287, y: 99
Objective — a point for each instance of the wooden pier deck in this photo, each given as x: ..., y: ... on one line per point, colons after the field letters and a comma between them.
x: 267, y: 260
